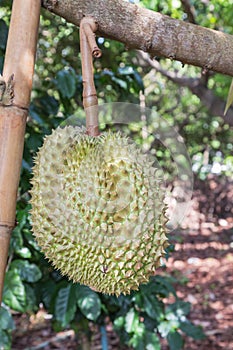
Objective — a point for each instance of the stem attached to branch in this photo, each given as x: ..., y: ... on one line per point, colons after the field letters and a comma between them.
x: 89, y: 49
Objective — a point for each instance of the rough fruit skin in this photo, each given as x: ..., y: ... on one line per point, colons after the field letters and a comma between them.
x: 98, y: 211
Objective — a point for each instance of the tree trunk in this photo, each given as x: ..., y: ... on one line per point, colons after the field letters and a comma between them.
x: 150, y: 31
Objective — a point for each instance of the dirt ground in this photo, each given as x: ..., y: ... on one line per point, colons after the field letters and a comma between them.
x: 202, y: 261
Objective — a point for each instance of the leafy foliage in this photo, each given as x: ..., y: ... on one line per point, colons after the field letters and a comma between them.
x: 141, y: 318
x: 6, y: 326
x: 229, y: 98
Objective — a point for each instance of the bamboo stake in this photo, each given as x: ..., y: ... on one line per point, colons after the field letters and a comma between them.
x: 19, y: 60
x: 89, y: 48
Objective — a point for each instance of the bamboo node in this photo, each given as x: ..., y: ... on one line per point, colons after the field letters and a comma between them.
x: 6, y: 229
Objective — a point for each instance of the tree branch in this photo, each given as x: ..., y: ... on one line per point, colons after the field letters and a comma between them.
x: 150, y: 31
x: 197, y: 86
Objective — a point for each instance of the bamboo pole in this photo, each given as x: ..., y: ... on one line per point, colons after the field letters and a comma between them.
x: 19, y: 60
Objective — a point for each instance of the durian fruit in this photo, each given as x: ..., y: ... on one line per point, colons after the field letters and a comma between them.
x: 98, y: 209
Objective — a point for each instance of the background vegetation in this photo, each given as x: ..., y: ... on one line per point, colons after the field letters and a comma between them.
x: 142, y: 318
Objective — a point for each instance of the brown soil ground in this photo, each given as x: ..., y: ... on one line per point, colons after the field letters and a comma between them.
x: 202, y: 261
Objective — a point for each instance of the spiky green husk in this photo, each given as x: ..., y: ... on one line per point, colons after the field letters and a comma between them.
x: 98, y: 210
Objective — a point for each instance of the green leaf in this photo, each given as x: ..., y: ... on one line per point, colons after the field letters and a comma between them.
x: 6, y: 320
x: 163, y: 286
x: 119, y: 322
x: 30, y: 298
x: 21, y: 218
x: 175, y: 341
x: 31, y: 240
x: 1, y: 64
x: 164, y: 328
x: 120, y: 82
x: 131, y: 321
x: 47, y: 292
x: 179, y: 308
x: 65, y: 305
x: 14, y: 294
x: 66, y: 83
x: 28, y: 272
x: 24, y: 252
x: 44, y: 106
x: 16, y: 242
x: 137, y: 338
x: 229, y: 98
x: 88, y: 302
x: 3, y: 34
x: 191, y: 330
x: 5, y: 340
x: 127, y: 70
x: 139, y: 81
x: 152, y: 341
x: 26, y: 165
x: 33, y: 142
x: 150, y: 324
x: 152, y: 307
x: 36, y: 116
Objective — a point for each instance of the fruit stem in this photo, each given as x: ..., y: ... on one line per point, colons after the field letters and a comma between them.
x: 89, y: 49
